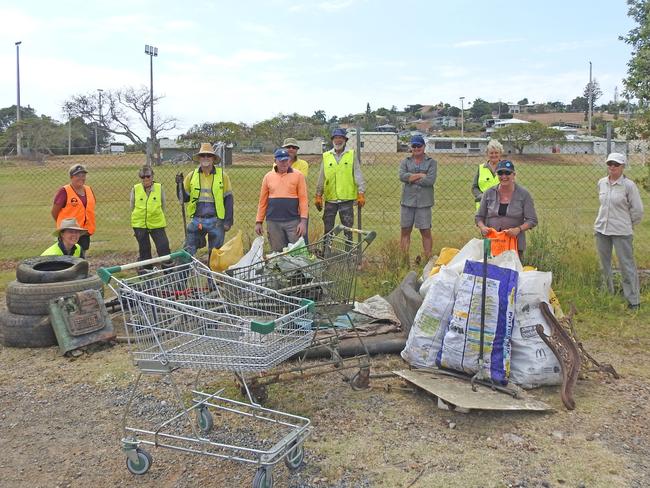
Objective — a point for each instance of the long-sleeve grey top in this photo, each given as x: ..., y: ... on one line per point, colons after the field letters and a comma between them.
x: 521, y: 210
x: 419, y: 193
x: 356, y: 169
x: 621, y: 207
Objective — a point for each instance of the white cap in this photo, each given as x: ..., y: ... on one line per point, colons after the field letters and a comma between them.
x: 617, y: 158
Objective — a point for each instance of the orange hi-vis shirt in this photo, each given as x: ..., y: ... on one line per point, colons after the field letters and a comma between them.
x: 283, y: 197
x: 74, y: 208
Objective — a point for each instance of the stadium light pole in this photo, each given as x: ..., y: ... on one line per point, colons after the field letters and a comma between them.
x: 151, y: 51
x: 99, y: 91
x: 590, y: 99
x: 19, y: 134
x: 462, y: 116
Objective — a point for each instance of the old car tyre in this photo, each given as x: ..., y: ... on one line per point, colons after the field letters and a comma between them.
x: 51, y: 269
x: 26, y: 330
x: 33, y: 299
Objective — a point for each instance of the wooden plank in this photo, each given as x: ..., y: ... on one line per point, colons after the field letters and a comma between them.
x: 459, y: 392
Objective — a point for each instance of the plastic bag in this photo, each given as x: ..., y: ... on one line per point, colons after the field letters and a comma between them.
x: 500, y: 242
x: 254, y: 255
x: 446, y: 255
x: 228, y: 254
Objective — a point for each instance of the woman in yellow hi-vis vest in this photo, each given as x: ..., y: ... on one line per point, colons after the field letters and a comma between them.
x: 340, y: 183
x: 147, y: 215
x: 68, y: 233
x: 486, y: 176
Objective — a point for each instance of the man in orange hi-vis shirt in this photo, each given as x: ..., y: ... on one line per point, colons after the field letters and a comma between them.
x: 283, y: 203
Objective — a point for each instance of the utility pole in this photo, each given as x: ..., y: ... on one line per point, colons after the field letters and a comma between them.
x: 19, y: 133
x: 101, y: 121
x: 590, y: 99
x: 69, y: 134
x: 462, y: 116
x: 151, y: 51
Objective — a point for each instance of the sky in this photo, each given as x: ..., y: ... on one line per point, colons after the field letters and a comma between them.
x: 246, y: 61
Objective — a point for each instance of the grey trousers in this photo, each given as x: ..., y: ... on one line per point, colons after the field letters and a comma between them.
x: 281, y: 233
x: 625, y: 254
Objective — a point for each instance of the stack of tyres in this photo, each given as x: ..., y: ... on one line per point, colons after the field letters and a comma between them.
x: 26, y: 322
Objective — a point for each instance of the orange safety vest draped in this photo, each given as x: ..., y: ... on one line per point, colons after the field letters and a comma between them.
x: 74, y: 208
x: 500, y: 242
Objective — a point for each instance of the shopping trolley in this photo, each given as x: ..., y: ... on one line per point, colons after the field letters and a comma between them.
x: 189, y: 317
x: 325, y: 272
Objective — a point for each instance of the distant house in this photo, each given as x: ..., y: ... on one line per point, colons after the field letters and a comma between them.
x: 313, y: 146
x: 504, y: 123
x: 444, y: 121
x: 373, y: 142
x: 386, y: 128
x: 457, y: 145
x: 171, y: 150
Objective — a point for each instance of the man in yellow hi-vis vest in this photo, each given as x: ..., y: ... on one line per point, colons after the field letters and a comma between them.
x: 147, y: 215
x: 340, y: 183
x: 210, y: 202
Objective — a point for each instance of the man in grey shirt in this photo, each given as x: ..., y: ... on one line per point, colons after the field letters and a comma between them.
x: 620, y: 210
x: 418, y: 173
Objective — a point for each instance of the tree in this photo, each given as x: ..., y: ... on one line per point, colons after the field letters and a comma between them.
x: 556, y: 106
x: 479, y: 108
x: 523, y: 101
x: 40, y: 135
x: 521, y: 135
x: 637, y: 83
x: 229, y: 132
x: 319, y: 116
x: 413, y: 108
x: 277, y: 128
x: 119, y: 109
x: 8, y: 115
x: 499, y: 107
x: 592, y: 88
x: 579, y: 104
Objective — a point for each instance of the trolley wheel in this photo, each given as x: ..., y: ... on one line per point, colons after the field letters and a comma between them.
x: 204, y: 420
x: 295, y: 457
x: 142, y: 465
x: 263, y: 478
x: 360, y: 380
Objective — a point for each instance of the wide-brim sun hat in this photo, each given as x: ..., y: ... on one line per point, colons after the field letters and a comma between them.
x: 290, y: 141
x: 69, y: 224
x: 206, y: 148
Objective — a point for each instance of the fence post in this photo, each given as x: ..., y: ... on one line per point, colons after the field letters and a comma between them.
x: 358, y: 150
x: 608, y: 128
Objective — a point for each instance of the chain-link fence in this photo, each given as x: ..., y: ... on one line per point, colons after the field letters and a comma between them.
x: 563, y: 186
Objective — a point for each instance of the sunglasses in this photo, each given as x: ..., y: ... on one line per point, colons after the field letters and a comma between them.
x: 616, y: 165
x: 502, y: 173
x: 146, y: 176
x: 414, y: 146
x: 291, y: 147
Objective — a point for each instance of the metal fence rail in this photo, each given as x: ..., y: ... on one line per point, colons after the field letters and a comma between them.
x: 562, y: 185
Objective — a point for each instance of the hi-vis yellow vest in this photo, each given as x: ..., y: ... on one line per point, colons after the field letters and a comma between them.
x: 55, y: 250
x: 147, y: 211
x: 486, y: 180
x: 339, y: 177
x: 217, y: 193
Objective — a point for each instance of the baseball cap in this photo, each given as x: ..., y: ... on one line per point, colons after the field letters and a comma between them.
x: 281, y: 155
x: 75, y: 169
x: 617, y: 158
x: 417, y: 140
x: 506, y: 165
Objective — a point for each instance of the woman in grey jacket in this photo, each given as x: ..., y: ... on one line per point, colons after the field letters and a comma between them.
x: 507, y: 207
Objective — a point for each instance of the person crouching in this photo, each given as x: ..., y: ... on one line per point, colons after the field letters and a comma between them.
x: 68, y: 234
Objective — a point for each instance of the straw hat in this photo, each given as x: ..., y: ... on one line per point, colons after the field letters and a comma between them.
x: 206, y: 148
x: 69, y: 224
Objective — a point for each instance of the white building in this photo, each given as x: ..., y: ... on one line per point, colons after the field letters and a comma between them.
x: 498, y: 123
x: 456, y: 145
x: 314, y: 146
x: 373, y: 142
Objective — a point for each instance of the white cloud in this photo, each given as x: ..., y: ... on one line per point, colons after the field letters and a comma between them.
x: 335, y: 5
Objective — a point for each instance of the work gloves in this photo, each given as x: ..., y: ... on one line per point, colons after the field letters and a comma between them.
x: 361, y: 200
x: 318, y: 202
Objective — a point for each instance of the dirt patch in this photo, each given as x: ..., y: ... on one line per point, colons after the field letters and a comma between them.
x: 60, y: 426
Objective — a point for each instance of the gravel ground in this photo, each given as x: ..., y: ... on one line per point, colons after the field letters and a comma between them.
x: 60, y: 426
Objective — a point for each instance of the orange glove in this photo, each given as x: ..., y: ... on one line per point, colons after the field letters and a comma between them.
x: 361, y: 200
x: 318, y: 201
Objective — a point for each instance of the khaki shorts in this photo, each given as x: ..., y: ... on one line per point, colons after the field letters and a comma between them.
x: 418, y: 217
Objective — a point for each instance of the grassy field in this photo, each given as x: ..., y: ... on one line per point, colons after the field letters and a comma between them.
x: 563, y: 188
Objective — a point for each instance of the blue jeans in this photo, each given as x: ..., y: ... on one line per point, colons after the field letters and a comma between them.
x: 197, y: 230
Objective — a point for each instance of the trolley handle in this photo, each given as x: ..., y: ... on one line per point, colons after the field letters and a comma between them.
x: 106, y: 273
x: 368, y: 235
